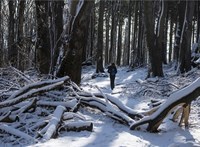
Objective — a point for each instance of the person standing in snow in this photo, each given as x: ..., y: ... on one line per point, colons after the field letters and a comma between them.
x: 112, y: 70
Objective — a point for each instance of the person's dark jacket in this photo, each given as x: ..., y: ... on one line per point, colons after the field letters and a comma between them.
x: 112, y: 70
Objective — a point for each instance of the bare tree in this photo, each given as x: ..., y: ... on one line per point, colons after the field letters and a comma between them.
x: 77, y: 29
x: 185, y: 41
x: 43, y: 40
x: 99, y: 56
x: 154, y: 40
x: 12, y: 51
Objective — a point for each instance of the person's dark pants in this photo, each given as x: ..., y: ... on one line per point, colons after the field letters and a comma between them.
x: 112, y: 81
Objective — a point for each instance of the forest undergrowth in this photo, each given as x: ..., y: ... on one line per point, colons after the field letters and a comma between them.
x: 29, y: 102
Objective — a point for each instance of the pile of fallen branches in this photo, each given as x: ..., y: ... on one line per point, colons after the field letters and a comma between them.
x: 41, y: 110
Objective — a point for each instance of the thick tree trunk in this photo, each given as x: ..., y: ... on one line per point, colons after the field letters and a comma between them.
x: 12, y: 51
x: 77, y: 29
x: 113, y: 34
x: 57, y: 31
x: 119, y: 43
x: 179, y: 26
x: 134, y: 50
x: 43, y: 49
x: 20, y: 35
x: 154, y: 41
x: 99, y: 56
x: 107, y: 36
x: 1, y: 37
x: 185, y: 42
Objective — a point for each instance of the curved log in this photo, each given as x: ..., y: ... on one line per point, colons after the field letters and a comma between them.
x: 182, y: 97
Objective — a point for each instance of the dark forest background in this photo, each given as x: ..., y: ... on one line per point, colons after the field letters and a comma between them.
x: 58, y: 37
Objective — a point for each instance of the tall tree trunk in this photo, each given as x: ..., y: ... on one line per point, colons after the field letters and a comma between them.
x: 134, y: 50
x: 185, y: 42
x: 113, y: 34
x: 57, y: 28
x: 198, y: 23
x: 12, y: 51
x: 129, y: 31
x: 107, y: 36
x: 153, y: 41
x: 20, y: 35
x: 1, y: 38
x: 43, y: 39
x: 99, y: 56
x: 77, y: 32
x: 165, y: 32
x: 170, y: 41
x: 140, y: 56
x: 179, y: 26
x: 119, y: 43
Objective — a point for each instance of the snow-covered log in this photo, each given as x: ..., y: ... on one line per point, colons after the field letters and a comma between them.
x: 68, y: 104
x: 182, y: 98
x: 130, y: 112
x: 16, y: 132
x: 40, y: 84
x: 77, y: 126
x: 27, y: 107
x: 107, y: 108
x: 72, y: 115
x: 8, y: 119
x: 31, y: 93
x: 54, y: 123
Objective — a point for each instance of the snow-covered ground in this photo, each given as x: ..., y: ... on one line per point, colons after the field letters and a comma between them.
x: 109, y: 133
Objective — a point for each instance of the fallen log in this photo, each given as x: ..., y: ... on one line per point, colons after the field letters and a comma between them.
x: 29, y: 94
x: 16, y: 132
x: 26, y: 108
x: 130, y: 112
x: 8, y: 118
x: 181, y: 98
x: 68, y: 104
x: 53, y: 123
x: 107, y: 108
x: 72, y: 115
x: 77, y: 126
x: 37, y: 85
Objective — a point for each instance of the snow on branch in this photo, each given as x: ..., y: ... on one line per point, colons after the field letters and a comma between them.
x: 16, y: 132
x: 181, y: 98
x: 53, y: 123
x: 24, y: 94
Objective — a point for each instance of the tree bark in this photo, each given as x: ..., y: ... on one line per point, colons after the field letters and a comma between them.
x: 153, y: 40
x: 77, y: 35
x: 12, y: 51
x: 99, y: 56
x: 185, y: 42
x: 43, y: 49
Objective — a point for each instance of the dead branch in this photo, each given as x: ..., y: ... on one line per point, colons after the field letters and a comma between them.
x: 68, y: 104
x: 16, y: 132
x: 24, y: 109
x: 29, y: 87
x: 29, y: 94
x: 22, y: 75
x: 8, y: 119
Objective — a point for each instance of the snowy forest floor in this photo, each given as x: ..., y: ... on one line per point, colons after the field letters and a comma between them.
x: 110, y: 133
